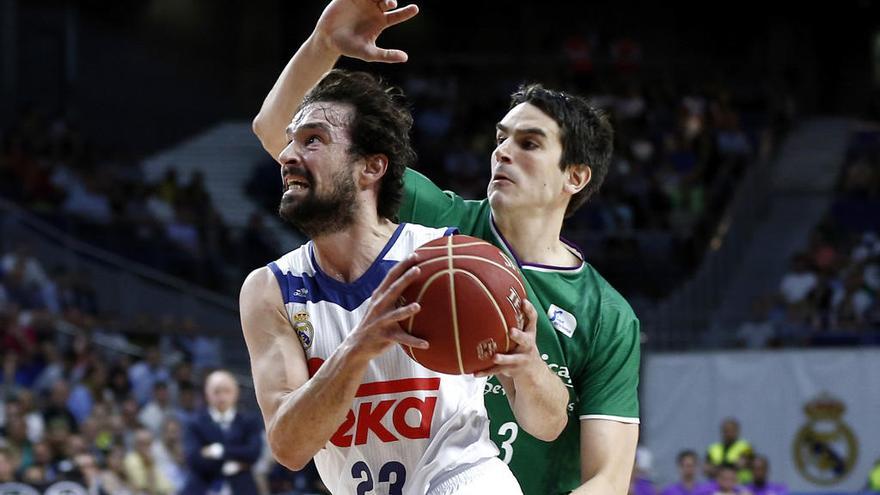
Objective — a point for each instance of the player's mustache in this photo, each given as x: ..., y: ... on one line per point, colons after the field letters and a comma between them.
x: 296, y: 171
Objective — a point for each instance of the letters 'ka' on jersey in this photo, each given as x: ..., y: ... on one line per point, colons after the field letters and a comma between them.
x: 409, y: 428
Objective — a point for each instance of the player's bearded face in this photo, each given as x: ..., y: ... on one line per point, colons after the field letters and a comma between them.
x: 319, y: 213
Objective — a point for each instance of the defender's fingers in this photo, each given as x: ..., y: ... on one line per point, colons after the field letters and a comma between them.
x: 531, y: 315
x: 521, y: 338
x: 376, y: 54
x: 401, y: 15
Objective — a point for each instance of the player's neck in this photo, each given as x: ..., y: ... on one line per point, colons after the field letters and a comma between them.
x: 535, y: 238
x: 347, y: 254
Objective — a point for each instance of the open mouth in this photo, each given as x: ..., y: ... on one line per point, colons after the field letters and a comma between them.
x: 296, y: 184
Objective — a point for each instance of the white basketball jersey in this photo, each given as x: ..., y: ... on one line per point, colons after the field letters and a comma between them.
x: 409, y: 428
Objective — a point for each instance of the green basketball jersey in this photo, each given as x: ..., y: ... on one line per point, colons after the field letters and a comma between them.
x: 586, y: 333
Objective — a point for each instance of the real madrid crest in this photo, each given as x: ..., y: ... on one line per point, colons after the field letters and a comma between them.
x: 825, y: 449
x: 303, y: 328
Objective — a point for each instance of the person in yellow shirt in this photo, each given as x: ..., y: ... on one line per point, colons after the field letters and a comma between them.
x: 874, y: 477
x: 730, y: 450
x: 142, y: 471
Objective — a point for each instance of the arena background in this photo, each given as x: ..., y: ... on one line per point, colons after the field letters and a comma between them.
x: 740, y: 219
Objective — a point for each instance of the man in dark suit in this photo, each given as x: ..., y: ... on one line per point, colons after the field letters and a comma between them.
x: 221, y: 443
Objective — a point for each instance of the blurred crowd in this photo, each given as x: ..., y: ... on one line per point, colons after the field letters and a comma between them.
x: 830, y: 294
x: 92, y: 400
x: 728, y: 466
x: 100, y: 195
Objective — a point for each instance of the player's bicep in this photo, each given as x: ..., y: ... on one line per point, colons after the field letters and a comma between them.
x: 278, y: 362
x: 608, y: 449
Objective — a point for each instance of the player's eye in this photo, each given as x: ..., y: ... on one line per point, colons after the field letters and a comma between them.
x: 499, y: 140
x: 529, y: 145
x: 312, y: 139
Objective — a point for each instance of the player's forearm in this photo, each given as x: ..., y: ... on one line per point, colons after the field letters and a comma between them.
x: 307, y: 417
x: 539, y: 403
x: 304, y: 70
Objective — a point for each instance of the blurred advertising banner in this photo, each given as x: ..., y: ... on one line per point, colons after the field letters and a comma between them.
x: 815, y: 414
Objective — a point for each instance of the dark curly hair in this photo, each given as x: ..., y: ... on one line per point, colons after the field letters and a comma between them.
x: 381, y: 124
x: 586, y: 134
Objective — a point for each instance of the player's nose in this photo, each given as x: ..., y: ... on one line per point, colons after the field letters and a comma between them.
x: 501, y: 154
x: 289, y: 155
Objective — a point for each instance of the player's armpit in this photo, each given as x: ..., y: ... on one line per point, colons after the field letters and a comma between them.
x: 608, y: 451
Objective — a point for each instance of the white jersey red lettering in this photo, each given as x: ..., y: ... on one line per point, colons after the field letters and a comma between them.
x: 409, y: 428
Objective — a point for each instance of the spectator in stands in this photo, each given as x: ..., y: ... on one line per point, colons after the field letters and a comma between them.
x: 17, y: 443
x: 874, y: 477
x: 222, y: 443
x: 640, y: 483
x: 160, y: 408
x: 90, y: 473
x: 760, y: 483
x: 731, y: 450
x: 188, y: 403
x: 726, y: 481
x: 113, y: 479
x: 43, y: 462
x: 168, y: 453
x: 141, y: 468
x: 119, y: 385
x: 33, y: 418
x: 54, y: 367
x: 799, y: 281
x: 146, y: 373
x: 58, y: 411
x: 7, y: 465
x: 852, y: 301
x: 688, y: 466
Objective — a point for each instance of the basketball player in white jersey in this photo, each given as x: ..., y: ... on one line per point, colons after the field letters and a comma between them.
x: 321, y: 323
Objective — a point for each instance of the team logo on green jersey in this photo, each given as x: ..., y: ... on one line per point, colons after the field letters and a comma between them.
x: 563, y: 321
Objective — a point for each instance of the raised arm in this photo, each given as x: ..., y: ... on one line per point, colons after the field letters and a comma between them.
x: 347, y: 27
x: 302, y: 413
x: 537, y: 396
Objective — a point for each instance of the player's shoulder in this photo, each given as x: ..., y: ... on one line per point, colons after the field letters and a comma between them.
x: 275, y: 275
x: 610, y: 303
x: 296, y: 262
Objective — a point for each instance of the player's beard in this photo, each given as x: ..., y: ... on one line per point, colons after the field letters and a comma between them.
x: 329, y: 213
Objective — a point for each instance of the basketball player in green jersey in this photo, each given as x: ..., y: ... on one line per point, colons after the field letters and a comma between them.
x: 553, y: 152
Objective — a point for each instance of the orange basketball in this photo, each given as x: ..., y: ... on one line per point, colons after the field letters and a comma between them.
x: 470, y: 294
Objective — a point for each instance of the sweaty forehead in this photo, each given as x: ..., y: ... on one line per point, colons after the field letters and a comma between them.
x: 526, y: 116
x: 330, y: 114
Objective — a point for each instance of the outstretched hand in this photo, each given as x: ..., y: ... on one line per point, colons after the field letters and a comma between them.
x: 351, y: 27
x: 380, y: 329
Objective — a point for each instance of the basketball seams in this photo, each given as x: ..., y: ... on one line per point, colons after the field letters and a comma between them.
x: 424, y: 289
x: 467, y: 244
x: 480, y: 259
x: 489, y: 296
x: 475, y: 259
x: 453, y: 304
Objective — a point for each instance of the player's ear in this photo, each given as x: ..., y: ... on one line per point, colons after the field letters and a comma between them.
x: 374, y: 168
x: 576, y: 178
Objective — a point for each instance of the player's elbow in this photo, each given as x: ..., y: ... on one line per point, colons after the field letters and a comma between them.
x: 284, y: 452
x: 258, y: 125
x: 550, y: 428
